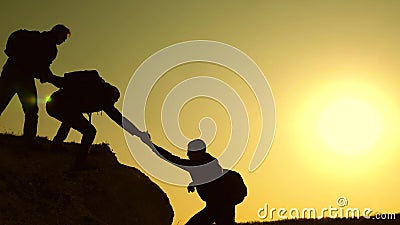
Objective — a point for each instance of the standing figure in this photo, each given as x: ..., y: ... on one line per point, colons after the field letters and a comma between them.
x: 30, y: 54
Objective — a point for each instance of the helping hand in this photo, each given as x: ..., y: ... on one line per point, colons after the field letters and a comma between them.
x: 190, y: 189
x: 145, y: 137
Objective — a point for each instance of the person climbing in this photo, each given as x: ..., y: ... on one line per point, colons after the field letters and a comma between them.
x: 85, y: 92
x: 221, y: 189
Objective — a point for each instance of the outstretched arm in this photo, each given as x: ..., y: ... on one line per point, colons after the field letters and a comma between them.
x: 164, y: 154
x: 43, y: 73
x: 123, y: 122
x: 55, y: 80
x: 167, y: 156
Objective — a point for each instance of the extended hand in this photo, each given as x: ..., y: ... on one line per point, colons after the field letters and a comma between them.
x: 145, y: 137
x: 190, y: 189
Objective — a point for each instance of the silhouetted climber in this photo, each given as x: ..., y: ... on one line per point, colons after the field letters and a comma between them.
x: 30, y: 54
x: 220, y: 189
x: 84, y: 92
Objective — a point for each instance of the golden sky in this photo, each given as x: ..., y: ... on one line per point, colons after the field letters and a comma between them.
x: 332, y: 66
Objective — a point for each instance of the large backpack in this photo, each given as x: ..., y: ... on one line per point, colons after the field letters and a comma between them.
x: 235, y: 186
x: 22, y: 44
x: 228, y: 188
x: 83, y: 81
x: 86, y: 92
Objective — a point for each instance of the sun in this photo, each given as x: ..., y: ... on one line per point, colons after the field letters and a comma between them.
x: 350, y: 125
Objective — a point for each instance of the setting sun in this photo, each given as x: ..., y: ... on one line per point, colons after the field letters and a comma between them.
x: 350, y: 125
x: 329, y: 89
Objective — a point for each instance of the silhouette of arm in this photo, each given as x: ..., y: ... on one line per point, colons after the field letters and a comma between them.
x: 171, y: 158
x: 45, y: 53
x: 123, y: 122
x: 56, y: 81
x: 44, y: 74
x: 164, y: 154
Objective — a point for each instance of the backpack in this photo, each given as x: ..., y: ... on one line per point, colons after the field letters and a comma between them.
x: 82, y: 81
x: 230, y: 187
x: 86, y: 92
x: 235, y: 186
x: 22, y: 44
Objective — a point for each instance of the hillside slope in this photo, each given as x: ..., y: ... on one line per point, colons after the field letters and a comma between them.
x: 37, y: 186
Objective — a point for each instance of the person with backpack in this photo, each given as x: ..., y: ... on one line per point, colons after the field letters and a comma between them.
x: 221, y: 189
x: 84, y: 92
x: 30, y: 54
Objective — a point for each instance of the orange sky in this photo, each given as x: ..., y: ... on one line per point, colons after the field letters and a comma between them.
x: 314, y: 54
